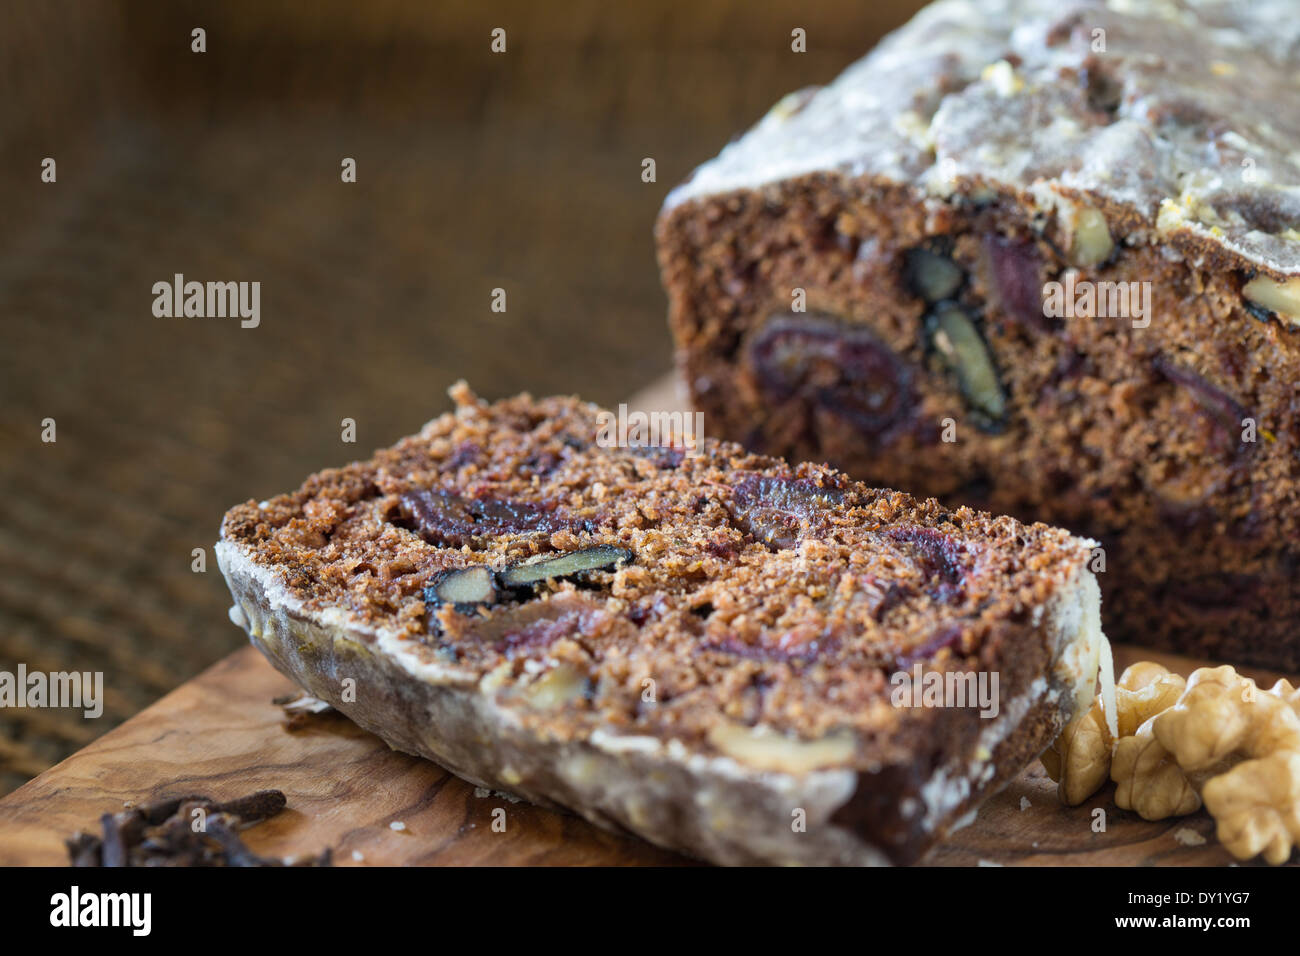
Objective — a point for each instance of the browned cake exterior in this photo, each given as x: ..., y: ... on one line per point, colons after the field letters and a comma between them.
x: 919, y: 207
x: 726, y: 664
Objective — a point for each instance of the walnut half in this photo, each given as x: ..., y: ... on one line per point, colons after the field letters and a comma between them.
x: 1080, y: 759
x: 1282, y: 298
x: 1214, y: 739
x: 1228, y: 743
x: 1252, y: 738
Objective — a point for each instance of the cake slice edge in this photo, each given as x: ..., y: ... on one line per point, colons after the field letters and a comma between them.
x: 704, y: 805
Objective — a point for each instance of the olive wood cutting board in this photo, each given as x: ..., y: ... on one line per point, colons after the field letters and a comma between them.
x: 221, y: 735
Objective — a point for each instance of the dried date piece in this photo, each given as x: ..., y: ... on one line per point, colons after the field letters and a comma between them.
x: 778, y: 511
x: 448, y: 520
x: 522, y: 629
x: 602, y: 557
x: 1225, y: 413
x: 788, y: 648
x: 1015, y: 268
x: 945, y: 637
x: 834, y: 366
x: 938, y: 556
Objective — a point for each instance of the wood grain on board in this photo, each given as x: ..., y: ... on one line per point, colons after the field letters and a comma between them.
x: 221, y: 735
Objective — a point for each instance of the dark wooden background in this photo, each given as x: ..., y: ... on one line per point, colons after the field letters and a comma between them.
x: 475, y: 171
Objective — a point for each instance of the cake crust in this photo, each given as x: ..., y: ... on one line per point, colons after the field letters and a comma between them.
x: 1163, y: 113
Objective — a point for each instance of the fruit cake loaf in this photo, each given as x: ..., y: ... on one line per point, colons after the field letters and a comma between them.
x: 703, y: 649
x: 1041, y: 258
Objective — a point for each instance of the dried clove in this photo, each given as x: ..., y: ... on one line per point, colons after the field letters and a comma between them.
x: 84, y: 849
x: 162, y: 834
x: 157, y: 812
x: 121, y: 831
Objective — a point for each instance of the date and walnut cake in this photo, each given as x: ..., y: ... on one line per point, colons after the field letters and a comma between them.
x: 1042, y: 258
x: 702, y: 649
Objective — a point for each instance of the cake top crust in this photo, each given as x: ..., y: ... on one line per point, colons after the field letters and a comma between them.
x: 1178, y: 117
x: 736, y: 584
